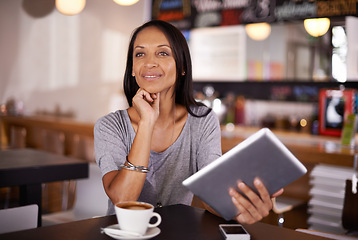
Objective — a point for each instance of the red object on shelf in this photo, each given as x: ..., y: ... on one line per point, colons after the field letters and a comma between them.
x: 334, y: 106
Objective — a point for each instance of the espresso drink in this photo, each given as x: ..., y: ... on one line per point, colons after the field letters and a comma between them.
x: 134, y: 206
x: 135, y: 216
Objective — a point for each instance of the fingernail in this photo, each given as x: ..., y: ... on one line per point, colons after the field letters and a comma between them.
x: 258, y: 182
x: 241, y: 185
x: 231, y: 191
x: 234, y: 200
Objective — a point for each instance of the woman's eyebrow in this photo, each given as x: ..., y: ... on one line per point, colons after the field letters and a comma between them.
x: 160, y: 45
x: 164, y: 45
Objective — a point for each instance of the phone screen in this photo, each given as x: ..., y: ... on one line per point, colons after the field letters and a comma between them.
x: 233, y: 230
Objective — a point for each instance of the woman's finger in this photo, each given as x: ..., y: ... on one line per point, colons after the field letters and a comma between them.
x: 141, y: 93
x: 248, y: 212
x: 265, y: 204
x: 244, y: 216
x: 258, y: 207
x: 264, y: 194
x: 154, y: 95
x: 278, y: 193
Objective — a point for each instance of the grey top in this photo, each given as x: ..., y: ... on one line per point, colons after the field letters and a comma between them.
x: 199, y: 144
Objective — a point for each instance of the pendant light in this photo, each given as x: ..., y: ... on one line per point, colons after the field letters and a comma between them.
x: 70, y: 7
x: 258, y: 31
x: 125, y: 2
x: 317, y: 27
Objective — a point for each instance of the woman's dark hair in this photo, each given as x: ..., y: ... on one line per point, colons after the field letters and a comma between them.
x: 184, y: 83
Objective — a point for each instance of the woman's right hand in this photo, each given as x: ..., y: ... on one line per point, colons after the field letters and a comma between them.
x: 147, y: 105
x: 126, y: 185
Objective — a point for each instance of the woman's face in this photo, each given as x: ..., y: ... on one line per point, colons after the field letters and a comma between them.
x: 153, y: 61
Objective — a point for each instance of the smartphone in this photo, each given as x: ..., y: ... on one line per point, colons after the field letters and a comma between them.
x: 234, y: 232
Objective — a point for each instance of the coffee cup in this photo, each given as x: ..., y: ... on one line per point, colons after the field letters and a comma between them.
x: 135, y: 216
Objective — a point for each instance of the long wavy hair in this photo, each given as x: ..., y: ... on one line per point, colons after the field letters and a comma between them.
x: 183, y: 89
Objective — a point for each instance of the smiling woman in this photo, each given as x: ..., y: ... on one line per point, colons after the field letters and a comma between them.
x: 179, y: 49
x: 146, y: 151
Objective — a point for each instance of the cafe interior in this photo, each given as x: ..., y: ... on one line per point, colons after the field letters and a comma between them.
x: 257, y: 64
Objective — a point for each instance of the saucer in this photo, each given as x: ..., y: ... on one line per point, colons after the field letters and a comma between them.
x: 151, y: 232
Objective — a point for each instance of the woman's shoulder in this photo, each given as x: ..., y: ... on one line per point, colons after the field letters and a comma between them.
x: 200, y: 110
x: 203, y: 115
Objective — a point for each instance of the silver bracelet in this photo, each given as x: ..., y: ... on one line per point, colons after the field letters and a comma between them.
x: 135, y: 168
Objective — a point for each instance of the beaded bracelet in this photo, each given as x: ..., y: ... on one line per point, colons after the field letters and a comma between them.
x: 135, y: 168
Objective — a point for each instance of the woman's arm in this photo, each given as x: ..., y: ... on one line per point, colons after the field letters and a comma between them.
x: 124, y: 184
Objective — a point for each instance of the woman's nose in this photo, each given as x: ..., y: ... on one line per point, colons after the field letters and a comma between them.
x: 151, y: 61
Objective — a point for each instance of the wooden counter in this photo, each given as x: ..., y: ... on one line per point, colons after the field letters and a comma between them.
x: 35, y: 125
x: 309, y: 149
x: 306, y: 147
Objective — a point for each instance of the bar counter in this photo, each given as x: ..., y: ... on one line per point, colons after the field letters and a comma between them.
x: 309, y: 149
x: 305, y: 146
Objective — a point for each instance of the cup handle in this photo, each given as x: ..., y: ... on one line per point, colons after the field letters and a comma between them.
x: 159, y: 220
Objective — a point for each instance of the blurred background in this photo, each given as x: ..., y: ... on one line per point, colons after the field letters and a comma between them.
x: 255, y: 62
x: 72, y: 65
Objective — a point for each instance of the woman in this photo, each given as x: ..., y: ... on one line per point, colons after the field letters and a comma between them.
x: 147, y: 150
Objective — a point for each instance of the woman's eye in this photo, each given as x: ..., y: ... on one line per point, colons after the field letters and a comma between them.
x: 139, y: 54
x: 163, y: 54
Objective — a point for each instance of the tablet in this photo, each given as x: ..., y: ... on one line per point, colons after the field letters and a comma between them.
x: 261, y: 155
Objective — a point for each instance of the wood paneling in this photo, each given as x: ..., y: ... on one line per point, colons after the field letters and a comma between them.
x: 37, y: 124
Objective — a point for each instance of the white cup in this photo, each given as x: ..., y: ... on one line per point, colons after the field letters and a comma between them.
x: 135, y: 216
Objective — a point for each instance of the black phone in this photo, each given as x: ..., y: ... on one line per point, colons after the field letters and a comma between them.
x: 234, y: 232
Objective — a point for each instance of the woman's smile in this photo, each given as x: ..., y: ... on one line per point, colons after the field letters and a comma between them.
x: 151, y: 76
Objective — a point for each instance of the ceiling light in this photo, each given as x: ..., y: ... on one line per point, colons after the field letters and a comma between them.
x: 258, y: 31
x: 317, y: 27
x: 125, y: 2
x: 70, y: 7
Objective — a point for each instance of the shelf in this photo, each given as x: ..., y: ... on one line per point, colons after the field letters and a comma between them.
x: 296, y: 91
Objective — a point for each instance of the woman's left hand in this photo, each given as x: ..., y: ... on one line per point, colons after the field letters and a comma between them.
x: 257, y: 207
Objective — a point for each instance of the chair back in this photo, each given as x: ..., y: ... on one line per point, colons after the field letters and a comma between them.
x: 83, y: 148
x: 91, y: 199
x: 53, y: 141
x: 18, y: 137
x: 18, y: 218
